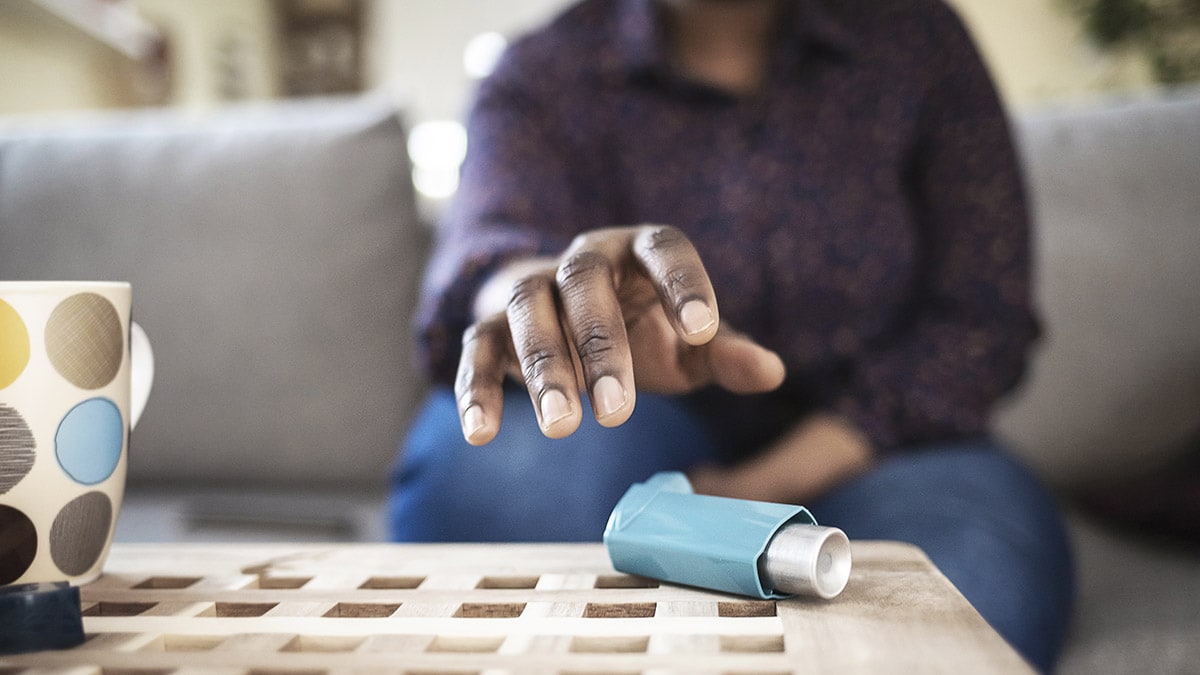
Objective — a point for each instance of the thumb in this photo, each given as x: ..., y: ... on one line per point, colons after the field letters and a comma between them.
x: 741, y: 365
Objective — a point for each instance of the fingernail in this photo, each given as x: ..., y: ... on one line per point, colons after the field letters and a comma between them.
x: 474, y: 420
x: 554, y: 407
x: 609, y: 395
x: 696, y: 317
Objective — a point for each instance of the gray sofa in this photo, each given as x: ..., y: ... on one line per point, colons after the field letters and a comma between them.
x: 275, y: 253
x: 1114, y: 391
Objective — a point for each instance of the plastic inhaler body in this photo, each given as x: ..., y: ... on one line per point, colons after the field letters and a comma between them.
x: 661, y: 529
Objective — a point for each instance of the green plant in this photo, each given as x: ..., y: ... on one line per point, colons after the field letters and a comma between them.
x: 1167, y: 31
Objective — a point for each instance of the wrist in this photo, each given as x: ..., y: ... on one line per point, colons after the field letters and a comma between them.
x: 820, y: 452
x: 833, y: 449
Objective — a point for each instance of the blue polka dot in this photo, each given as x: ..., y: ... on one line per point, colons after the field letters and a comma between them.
x: 89, y: 440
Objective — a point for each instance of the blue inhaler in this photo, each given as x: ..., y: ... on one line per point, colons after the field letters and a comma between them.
x: 663, y: 530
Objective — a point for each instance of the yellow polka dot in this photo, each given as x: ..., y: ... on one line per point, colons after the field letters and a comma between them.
x: 14, y: 345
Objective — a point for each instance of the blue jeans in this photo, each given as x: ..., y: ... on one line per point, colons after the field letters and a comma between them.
x: 982, y: 517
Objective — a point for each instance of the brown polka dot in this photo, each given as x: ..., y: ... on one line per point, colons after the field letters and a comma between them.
x: 79, y: 533
x: 18, y: 544
x: 17, y: 447
x: 84, y: 340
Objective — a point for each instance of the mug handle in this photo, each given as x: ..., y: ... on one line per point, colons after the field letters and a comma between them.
x: 141, y: 371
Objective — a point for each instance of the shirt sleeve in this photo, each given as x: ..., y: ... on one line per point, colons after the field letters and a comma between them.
x: 965, y: 340
x: 513, y: 201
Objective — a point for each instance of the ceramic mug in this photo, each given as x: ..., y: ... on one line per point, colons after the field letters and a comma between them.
x: 75, y: 373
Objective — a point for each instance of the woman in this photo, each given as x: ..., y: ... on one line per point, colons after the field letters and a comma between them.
x: 833, y: 293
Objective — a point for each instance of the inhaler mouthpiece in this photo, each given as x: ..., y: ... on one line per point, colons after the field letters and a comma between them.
x: 806, y: 560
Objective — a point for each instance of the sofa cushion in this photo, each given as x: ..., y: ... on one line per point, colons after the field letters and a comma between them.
x: 1115, y: 189
x: 274, y: 254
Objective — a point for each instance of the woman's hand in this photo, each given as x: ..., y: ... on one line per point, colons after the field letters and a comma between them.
x: 819, y: 453
x: 620, y: 306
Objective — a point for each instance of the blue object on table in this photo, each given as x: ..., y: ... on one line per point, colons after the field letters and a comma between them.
x: 34, y: 617
x: 661, y: 529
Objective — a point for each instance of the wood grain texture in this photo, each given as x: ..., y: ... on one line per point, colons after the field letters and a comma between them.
x: 495, y: 609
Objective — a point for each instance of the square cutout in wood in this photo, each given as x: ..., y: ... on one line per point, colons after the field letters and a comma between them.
x: 489, y: 610
x: 242, y: 610
x: 616, y: 644
x: 165, y: 583
x: 746, y: 608
x: 118, y: 608
x: 619, y: 610
x: 752, y: 643
x: 324, y: 643
x: 188, y: 643
x: 362, y: 610
x: 624, y: 581
x: 383, y: 583
x: 466, y: 644
x: 282, y: 583
x: 508, y: 582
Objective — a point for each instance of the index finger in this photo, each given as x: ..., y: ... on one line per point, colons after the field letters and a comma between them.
x: 674, y: 267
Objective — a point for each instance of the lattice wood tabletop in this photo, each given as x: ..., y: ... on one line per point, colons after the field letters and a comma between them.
x: 491, y: 609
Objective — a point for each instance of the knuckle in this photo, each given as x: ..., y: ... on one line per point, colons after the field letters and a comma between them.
x: 581, y: 241
x: 680, y: 279
x: 526, y: 289
x: 471, y: 335
x: 662, y: 237
x: 480, y: 358
x: 464, y: 384
x: 537, y: 362
x: 670, y: 255
x: 483, y: 331
x: 466, y: 380
x: 594, y: 344
x: 596, y: 239
x: 581, y: 266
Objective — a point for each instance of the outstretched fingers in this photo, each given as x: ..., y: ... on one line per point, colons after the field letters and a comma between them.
x: 674, y: 267
x: 595, y: 324
x: 479, y: 385
x: 566, y: 329
x: 740, y: 365
x: 543, y: 357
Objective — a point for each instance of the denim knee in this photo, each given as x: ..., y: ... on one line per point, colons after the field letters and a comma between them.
x: 986, y: 521
x: 525, y: 487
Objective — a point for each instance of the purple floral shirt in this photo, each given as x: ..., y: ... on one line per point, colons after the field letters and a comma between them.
x: 863, y: 215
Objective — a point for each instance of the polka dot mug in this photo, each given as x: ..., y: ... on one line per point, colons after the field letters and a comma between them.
x: 75, y: 373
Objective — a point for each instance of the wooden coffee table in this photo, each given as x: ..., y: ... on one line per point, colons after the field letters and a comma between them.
x: 528, y: 608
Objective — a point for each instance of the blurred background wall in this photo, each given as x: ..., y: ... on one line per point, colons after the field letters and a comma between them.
x: 60, y: 55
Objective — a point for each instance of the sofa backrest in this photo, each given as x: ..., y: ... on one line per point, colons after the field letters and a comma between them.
x: 1115, y: 190
x: 274, y: 254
